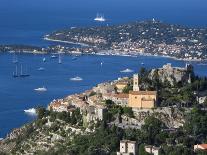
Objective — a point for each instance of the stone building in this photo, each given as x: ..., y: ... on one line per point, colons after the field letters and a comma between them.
x: 127, y: 148
x: 141, y: 99
x: 172, y: 74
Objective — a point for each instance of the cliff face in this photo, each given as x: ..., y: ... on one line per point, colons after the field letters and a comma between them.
x: 172, y: 74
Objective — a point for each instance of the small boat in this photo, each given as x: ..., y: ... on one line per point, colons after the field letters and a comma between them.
x: 127, y: 71
x: 142, y: 63
x: 41, y: 89
x: 53, y: 56
x: 41, y: 69
x: 31, y: 111
x: 101, y: 63
x: 77, y: 78
x: 74, y: 58
x: 44, y: 59
x: 100, y: 18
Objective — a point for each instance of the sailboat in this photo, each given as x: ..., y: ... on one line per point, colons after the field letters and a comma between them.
x: 15, y: 60
x: 15, y: 74
x: 23, y: 74
x: 59, y: 59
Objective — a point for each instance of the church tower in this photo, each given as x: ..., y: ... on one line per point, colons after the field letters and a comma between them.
x: 135, y: 82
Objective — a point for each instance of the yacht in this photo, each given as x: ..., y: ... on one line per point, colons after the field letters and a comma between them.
x: 41, y: 69
x: 77, y: 78
x: 100, y: 18
x: 41, y: 89
x: 53, y: 56
x: 44, y: 59
x: 30, y: 111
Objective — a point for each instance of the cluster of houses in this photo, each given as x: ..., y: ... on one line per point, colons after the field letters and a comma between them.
x: 92, y: 101
x: 128, y: 147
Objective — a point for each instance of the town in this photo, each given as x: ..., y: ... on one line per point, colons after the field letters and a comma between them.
x: 138, y: 38
x: 142, y: 114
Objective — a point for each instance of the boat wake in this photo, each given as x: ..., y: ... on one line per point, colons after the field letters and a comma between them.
x: 31, y: 111
x: 77, y: 78
x: 127, y: 71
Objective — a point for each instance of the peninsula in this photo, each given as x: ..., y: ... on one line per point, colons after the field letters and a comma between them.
x: 146, y: 38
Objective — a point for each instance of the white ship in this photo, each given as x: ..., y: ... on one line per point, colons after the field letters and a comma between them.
x: 41, y: 89
x: 77, y: 78
x: 100, y: 18
x: 30, y: 111
x: 127, y: 71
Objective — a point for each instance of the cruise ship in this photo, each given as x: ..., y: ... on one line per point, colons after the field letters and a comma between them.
x: 100, y: 18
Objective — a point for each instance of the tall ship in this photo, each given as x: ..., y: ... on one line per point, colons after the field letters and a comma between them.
x: 23, y: 74
x: 100, y: 18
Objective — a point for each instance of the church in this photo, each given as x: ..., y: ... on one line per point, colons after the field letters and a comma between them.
x: 141, y: 99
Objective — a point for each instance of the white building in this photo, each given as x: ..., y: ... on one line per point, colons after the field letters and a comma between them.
x: 152, y: 149
x: 127, y: 148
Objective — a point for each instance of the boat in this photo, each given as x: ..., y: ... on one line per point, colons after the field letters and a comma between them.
x: 41, y: 89
x: 142, y: 63
x: 23, y: 74
x: 53, y: 56
x: 15, y: 74
x: 127, y: 71
x: 31, y: 111
x: 101, y: 63
x: 41, y: 69
x: 44, y: 59
x: 77, y: 78
x: 74, y: 58
x: 100, y: 18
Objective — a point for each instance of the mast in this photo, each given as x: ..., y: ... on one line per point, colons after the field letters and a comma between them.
x: 59, y: 60
x: 21, y: 71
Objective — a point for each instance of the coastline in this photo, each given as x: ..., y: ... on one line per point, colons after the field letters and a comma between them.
x: 67, y: 42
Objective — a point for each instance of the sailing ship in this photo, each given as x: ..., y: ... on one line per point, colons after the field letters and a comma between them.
x: 15, y: 74
x: 100, y: 18
x: 23, y: 74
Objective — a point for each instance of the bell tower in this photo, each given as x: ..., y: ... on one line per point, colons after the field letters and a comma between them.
x: 135, y: 82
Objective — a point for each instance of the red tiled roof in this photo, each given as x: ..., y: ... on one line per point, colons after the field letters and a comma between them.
x: 204, y: 146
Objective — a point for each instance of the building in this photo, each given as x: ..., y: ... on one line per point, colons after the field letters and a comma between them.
x: 120, y: 99
x: 127, y: 148
x: 141, y: 99
x: 120, y: 86
x: 152, y: 149
x: 200, y: 147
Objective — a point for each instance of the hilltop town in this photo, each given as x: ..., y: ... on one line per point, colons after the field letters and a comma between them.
x: 159, y: 111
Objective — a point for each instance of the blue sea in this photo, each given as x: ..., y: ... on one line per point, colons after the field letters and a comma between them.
x: 26, y: 21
